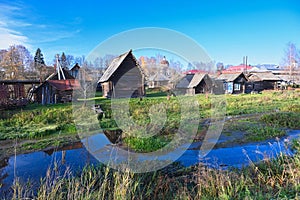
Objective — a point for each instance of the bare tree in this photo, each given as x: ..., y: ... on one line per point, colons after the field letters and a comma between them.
x: 291, y: 59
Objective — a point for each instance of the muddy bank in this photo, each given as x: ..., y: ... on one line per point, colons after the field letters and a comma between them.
x: 10, y: 148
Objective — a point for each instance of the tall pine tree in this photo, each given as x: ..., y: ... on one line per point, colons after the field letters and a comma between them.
x: 39, y: 61
x: 63, y: 61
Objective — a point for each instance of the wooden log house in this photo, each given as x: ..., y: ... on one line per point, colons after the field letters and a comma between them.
x: 234, y: 83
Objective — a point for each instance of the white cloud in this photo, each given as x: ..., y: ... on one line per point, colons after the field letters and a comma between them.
x: 52, y: 36
x: 8, y: 27
x: 19, y: 25
x: 10, y: 37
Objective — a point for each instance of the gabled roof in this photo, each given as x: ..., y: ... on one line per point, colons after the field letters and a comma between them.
x: 196, y: 80
x: 75, y: 66
x: 263, y: 76
x: 230, y: 77
x: 185, y: 81
x: 158, y: 77
x: 63, y: 85
x: 191, y: 80
x: 114, y: 65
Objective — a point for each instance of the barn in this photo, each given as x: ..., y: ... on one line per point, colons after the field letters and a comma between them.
x: 192, y: 84
x: 123, y: 78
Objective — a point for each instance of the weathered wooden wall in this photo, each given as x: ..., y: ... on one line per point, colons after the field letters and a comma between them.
x: 127, y: 81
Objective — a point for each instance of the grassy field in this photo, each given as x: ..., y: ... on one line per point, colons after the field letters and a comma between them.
x: 41, y: 124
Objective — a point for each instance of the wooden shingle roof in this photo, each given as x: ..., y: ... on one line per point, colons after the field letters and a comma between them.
x: 263, y: 76
x: 158, y: 77
x: 191, y: 80
x: 185, y: 81
x: 196, y: 80
x: 114, y: 65
x: 230, y: 77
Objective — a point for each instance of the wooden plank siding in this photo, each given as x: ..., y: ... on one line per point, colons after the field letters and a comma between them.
x: 123, y: 78
x: 193, y: 84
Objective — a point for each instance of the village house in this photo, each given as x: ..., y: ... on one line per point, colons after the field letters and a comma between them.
x: 57, y: 88
x: 74, y: 71
x: 192, y: 84
x: 161, y: 76
x: 158, y: 80
x: 123, y: 78
x: 234, y: 83
x: 84, y: 75
x: 263, y: 81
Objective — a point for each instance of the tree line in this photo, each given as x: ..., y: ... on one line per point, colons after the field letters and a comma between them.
x: 16, y: 62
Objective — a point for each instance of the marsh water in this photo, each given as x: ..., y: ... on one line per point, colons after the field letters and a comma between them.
x: 32, y: 167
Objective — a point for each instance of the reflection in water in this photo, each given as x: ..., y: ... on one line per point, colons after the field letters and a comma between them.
x: 3, y: 174
x: 113, y: 136
x: 75, y: 145
x: 33, y: 166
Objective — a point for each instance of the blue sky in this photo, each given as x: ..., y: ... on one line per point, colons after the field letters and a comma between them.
x: 227, y: 30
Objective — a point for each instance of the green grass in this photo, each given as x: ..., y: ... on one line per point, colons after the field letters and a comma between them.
x: 37, y: 121
x: 147, y: 144
x: 156, y: 92
x: 283, y: 119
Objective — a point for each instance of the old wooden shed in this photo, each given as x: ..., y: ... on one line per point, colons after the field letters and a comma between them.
x: 57, y: 88
x: 192, y: 84
x: 123, y: 78
x: 56, y: 91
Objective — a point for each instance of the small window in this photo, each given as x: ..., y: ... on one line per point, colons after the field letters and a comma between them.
x: 225, y: 86
x: 237, y: 87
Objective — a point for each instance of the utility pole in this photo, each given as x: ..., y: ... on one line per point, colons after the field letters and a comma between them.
x: 245, y: 60
x: 246, y: 63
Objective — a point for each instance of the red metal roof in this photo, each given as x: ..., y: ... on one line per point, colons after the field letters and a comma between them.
x: 195, y: 71
x: 63, y: 85
x: 239, y: 68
